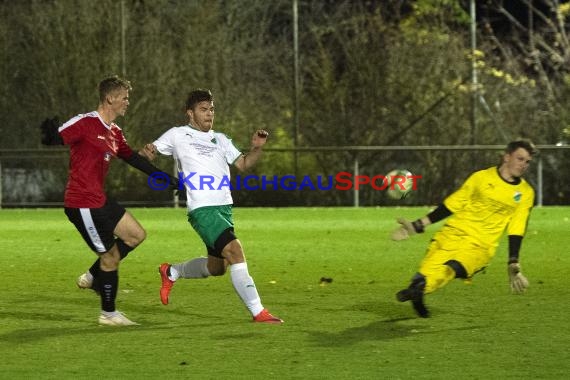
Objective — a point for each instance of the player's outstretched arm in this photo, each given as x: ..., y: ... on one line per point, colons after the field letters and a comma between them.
x: 141, y: 163
x: 408, y: 228
x: 248, y: 160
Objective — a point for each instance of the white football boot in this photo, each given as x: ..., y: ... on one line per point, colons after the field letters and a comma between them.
x: 85, y: 281
x: 115, y: 319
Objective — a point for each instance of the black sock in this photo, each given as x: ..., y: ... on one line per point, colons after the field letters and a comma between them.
x: 94, y: 270
x: 108, y: 285
x: 418, y: 282
x: 124, y: 250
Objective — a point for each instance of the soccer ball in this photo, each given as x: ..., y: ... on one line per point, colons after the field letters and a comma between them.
x: 399, y: 184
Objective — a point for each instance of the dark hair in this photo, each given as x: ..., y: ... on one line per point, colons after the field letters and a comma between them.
x: 197, y: 96
x: 112, y: 84
x: 526, y: 144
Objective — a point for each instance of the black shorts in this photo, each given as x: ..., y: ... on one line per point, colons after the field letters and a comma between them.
x: 224, y: 239
x: 97, y: 225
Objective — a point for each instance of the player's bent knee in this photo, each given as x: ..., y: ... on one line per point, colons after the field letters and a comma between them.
x: 136, y: 238
x: 110, y: 260
x: 458, y: 268
x: 140, y: 237
x: 234, y: 257
x: 233, y: 252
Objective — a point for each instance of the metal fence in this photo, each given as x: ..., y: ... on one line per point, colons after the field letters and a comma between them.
x: 307, y: 176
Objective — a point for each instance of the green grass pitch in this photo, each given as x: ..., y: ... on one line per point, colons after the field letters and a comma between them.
x: 351, y: 328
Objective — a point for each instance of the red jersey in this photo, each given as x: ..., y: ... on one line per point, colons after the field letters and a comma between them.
x: 92, y: 146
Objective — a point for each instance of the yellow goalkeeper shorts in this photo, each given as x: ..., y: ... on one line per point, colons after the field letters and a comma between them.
x: 469, y: 253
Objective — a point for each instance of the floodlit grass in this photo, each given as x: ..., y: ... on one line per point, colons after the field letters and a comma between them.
x: 351, y: 328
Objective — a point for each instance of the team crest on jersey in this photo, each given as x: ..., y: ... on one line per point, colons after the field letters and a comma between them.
x: 214, y: 140
x: 107, y: 156
x: 517, y: 197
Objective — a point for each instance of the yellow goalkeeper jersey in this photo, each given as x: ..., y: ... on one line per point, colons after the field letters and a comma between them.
x: 484, y: 206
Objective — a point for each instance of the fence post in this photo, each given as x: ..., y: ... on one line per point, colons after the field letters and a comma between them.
x: 539, y: 179
x: 356, y: 202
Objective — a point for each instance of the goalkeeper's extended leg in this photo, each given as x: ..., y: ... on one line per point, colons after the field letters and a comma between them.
x: 438, y: 279
x: 415, y: 293
x: 425, y: 284
x: 439, y: 276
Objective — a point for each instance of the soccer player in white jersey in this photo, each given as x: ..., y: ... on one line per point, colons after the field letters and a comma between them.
x: 203, y: 157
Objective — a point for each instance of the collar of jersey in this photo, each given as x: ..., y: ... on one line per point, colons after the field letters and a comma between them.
x: 516, y: 180
x: 103, y: 121
x: 210, y: 132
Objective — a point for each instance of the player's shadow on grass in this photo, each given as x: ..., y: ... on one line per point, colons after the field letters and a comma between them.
x: 393, y: 323
x: 64, y: 321
x: 35, y: 335
x: 81, y: 327
x: 375, y: 331
x: 139, y: 305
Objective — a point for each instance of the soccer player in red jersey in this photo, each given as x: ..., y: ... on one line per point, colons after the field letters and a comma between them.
x: 109, y: 230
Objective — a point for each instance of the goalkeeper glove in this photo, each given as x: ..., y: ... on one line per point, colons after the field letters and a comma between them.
x: 407, y: 229
x: 519, y: 283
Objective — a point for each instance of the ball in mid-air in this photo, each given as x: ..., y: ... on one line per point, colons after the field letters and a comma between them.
x: 399, y: 183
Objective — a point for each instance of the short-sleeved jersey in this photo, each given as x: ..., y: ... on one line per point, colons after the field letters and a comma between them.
x: 92, y: 146
x: 485, y: 205
x: 203, y: 160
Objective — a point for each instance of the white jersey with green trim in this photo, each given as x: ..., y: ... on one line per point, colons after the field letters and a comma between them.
x: 203, y: 160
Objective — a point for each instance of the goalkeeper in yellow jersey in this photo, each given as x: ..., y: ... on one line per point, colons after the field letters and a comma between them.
x: 488, y: 202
